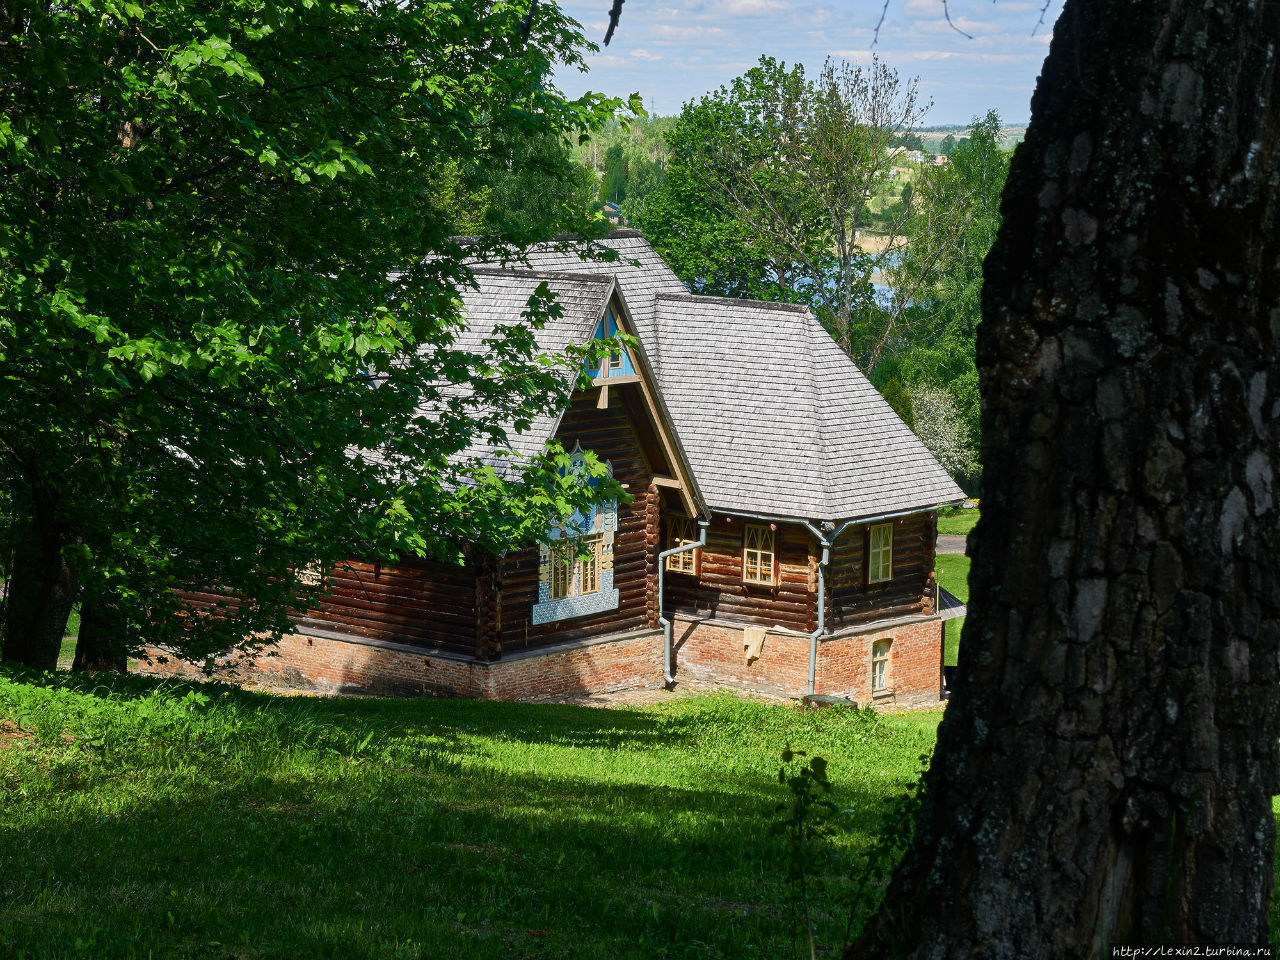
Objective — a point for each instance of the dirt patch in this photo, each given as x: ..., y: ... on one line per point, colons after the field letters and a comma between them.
x: 11, y: 734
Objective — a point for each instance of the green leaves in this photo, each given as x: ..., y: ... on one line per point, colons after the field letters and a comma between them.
x: 228, y: 289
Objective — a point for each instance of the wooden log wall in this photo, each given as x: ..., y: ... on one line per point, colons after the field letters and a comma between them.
x: 852, y: 601
x: 432, y: 605
x: 610, y: 434
x: 717, y: 591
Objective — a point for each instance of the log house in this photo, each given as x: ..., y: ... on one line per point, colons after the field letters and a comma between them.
x: 744, y: 419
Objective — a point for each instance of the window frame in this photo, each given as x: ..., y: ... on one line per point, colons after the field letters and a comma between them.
x: 569, y: 571
x: 880, y: 558
x: 595, y: 543
x: 883, y: 660
x: 771, y: 537
x: 681, y: 530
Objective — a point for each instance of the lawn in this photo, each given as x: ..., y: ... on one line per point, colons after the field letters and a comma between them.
x: 957, y: 520
x: 141, y: 818
x: 952, y: 570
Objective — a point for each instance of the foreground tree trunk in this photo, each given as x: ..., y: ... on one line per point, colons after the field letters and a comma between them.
x: 1105, y: 770
x: 41, y: 593
x: 100, y: 643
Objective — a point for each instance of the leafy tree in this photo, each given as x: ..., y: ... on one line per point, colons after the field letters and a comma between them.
x: 1105, y: 771
x: 911, y: 141
x: 936, y: 421
x: 792, y: 163
x: 228, y: 300
x: 539, y: 184
x: 698, y: 233
x: 948, y: 145
x: 938, y: 278
x: 613, y: 188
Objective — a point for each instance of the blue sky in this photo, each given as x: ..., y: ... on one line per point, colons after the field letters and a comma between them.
x: 674, y: 50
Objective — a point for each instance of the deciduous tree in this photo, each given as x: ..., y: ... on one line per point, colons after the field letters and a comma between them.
x: 228, y: 298
x: 789, y: 165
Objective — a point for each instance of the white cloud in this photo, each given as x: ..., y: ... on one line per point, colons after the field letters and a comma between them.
x: 672, y: 32
x: 751, y: 7
x: 674, y: 51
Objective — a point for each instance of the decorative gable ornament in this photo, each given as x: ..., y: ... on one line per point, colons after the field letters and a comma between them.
x: 613, y: 365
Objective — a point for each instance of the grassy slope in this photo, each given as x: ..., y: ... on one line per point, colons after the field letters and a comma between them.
x: 139, y: 823
x: 957, y: 520
x: 953, y: 575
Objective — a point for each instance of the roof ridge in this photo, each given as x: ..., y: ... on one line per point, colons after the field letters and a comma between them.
x: 818, y: 395
x: 704, y: 298
x: 492, y: 271
x: 619, y: 233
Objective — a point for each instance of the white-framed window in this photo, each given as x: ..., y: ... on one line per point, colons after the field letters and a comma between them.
x: 880, y: 556
x: 615, y: 361
x: 680, y: 532
x: 880, y: 666
x: 758, y: 554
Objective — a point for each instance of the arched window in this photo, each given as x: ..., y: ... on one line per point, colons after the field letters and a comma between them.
x: 880, y: 666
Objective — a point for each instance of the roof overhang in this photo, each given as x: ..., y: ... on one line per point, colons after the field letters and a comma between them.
x: 832, y: 528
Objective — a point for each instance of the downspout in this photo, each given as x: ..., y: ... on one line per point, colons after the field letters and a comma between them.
x: 826, y: 543
x: 668, y: 653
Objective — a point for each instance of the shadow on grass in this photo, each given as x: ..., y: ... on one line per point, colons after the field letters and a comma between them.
x: 233, y: 847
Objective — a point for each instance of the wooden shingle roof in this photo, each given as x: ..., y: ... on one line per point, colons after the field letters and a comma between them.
x: 774, y: 418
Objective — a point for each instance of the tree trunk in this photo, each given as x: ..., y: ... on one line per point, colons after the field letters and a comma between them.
x: 100, y: 644
x: 41, y: 595
x: 1105, y: 770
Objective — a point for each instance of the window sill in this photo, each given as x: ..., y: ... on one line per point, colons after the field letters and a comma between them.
x: 881, y: 694
x: 549, y: 611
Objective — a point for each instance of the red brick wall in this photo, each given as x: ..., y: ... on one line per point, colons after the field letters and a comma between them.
x: 633, y: 663
x: 335, y: 666
x: 710, y: 652
x: 705, y: 652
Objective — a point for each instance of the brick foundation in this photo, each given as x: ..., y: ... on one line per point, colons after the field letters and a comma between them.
x: 711, y: 651
x: 332, y: 665
x: 706, y: 651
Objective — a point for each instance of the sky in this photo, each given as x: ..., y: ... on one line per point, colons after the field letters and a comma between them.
x: 671, y: 51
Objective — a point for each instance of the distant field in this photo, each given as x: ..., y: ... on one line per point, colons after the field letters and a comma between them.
x: 142, y: 819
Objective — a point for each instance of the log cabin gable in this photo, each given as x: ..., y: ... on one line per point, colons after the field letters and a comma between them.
x: 628, y: 378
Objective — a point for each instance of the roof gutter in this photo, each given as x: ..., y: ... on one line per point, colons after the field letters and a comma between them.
x: 668, y: 653
x: 871, y: 518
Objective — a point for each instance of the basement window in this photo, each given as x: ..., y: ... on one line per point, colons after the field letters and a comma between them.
x: 758, y: 554
x: 880, y: 666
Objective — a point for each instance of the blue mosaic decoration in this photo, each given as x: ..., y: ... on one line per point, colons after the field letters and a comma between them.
x: 548, y: 611
x: 602, y: 519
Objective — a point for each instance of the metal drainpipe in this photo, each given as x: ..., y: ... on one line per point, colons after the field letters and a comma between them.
x: 827, y: 543
x: 668, y: 668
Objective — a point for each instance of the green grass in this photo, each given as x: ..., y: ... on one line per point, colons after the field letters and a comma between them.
x: 957, y: 520
x: 139, y: 819
x: 952, y: 570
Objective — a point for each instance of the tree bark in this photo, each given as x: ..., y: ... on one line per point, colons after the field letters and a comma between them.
x: 40, y: 596
x: 1105, y: 769
x: 99, y: 645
